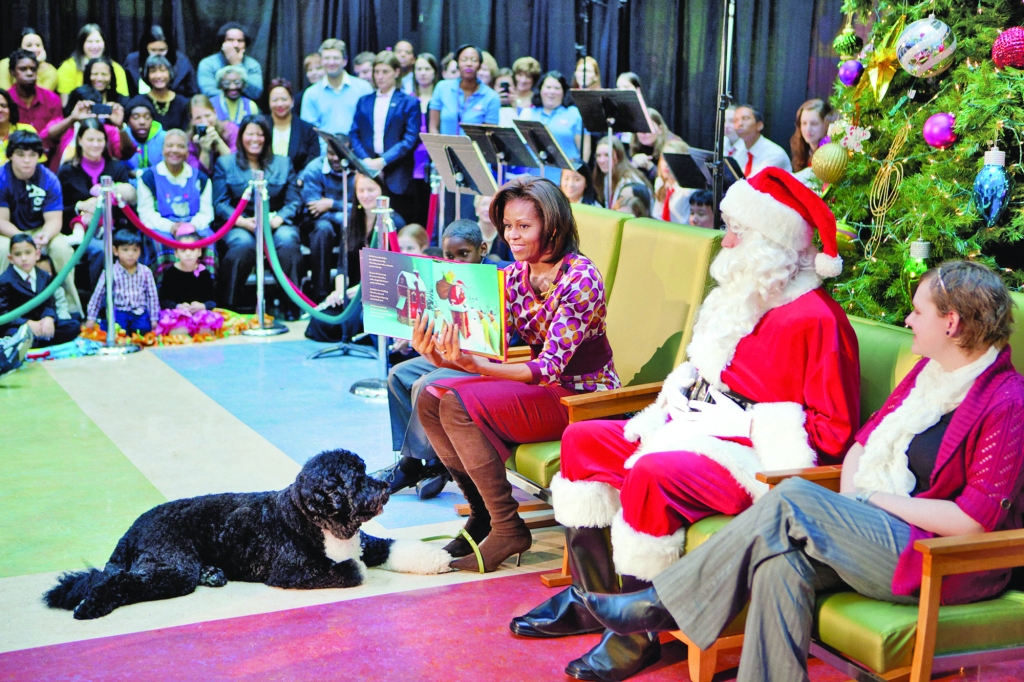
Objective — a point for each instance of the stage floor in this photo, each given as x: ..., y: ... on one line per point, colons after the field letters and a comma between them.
x: 88, y: 444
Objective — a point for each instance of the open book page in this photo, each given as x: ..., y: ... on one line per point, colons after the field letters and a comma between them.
x: 397, y: 287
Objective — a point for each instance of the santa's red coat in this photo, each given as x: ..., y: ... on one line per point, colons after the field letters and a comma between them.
x: 800, y: 365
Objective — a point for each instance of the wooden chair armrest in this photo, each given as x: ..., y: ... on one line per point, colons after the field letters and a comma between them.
x: 600, y: 404
x: 519, y: 354
x: 950, y: 556
x: 826, y: 476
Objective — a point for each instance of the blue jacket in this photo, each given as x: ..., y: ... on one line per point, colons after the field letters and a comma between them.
x: 401, y: 137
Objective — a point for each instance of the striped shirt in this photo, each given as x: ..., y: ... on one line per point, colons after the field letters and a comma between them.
x: 132, y: 293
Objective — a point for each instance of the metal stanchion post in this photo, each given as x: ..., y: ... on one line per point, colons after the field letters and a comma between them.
x: 112, y: 347
x: 378, y: 387
x: 259, y: 188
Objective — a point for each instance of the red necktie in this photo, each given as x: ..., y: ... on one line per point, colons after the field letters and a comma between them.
x: 749, y: 166
x: 666, y: 213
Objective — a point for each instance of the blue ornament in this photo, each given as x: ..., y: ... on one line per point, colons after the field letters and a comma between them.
x: 992, y: 187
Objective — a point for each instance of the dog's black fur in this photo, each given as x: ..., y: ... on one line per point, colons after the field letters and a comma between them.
x: 275, y: 538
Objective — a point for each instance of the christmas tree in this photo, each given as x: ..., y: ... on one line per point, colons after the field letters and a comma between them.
x: 897, y: 189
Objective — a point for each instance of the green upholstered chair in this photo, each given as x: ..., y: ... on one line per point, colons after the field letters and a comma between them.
x: 876, y: 640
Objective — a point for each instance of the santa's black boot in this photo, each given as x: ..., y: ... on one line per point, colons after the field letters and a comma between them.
x: 590, y: 563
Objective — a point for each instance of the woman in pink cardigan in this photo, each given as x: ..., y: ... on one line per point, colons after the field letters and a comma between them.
x: 944, y: 456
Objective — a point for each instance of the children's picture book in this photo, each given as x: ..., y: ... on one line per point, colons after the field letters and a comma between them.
x: 398, y: 287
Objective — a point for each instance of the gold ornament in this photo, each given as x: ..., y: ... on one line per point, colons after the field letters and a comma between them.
x: 884, y: 190
x: 882, y: 63
x: 829, y: 162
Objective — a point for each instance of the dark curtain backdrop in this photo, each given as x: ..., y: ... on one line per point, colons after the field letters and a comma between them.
x: 782, y: 54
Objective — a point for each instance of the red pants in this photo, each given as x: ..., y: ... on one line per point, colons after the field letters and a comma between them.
x: 663, y: 491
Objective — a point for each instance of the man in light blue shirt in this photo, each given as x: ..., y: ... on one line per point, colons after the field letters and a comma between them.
x: 330, y: 104
x: 464, y: 99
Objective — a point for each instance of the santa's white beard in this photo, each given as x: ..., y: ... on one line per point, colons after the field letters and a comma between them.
x: 751, y: 277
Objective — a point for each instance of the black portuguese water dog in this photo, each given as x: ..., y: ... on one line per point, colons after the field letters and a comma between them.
x: 303, y: 537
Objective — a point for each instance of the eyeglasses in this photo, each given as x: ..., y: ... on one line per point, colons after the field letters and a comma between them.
x: 231, y: 83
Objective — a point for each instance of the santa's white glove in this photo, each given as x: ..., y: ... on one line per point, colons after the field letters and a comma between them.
x: 722, y: 418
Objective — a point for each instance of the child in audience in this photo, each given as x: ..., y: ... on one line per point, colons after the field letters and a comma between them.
x: 187, y: 292
x: 136, y: 304
x: 702, y: 210
x: 147, y: 134
x: 413, y: 239
x: 22, y: 282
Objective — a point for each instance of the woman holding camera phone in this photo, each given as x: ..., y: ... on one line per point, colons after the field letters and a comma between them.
x: 209, y: 138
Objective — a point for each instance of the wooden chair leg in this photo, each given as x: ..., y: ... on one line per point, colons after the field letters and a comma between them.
x: 927, y: 623
x: 562, y: 579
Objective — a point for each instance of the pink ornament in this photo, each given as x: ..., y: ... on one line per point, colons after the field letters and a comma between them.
x: 850, y: 71
x: 938, y: 130
x: 1008, y: 49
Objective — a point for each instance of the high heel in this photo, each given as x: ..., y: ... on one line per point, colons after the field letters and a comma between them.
x: 493, y: 551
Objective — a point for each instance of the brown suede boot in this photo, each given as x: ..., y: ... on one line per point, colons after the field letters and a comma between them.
x: 509, y: 534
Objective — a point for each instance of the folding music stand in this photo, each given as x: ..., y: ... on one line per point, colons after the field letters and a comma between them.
x: 545, y: 146
x: 691, y: 171
x: 462, y: 166
x: 501, y: 147
x: 618, y: 111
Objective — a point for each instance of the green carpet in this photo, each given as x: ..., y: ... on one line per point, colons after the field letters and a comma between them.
x: 67, y: 494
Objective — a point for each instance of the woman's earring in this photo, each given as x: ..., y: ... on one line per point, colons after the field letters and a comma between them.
x: 947, y: 332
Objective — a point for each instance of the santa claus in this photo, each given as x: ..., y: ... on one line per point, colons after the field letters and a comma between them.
x: 772, y: 382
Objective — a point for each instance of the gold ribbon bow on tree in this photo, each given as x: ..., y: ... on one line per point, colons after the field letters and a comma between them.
x: 882, y: 62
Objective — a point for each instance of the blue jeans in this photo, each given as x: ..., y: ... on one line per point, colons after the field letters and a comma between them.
x: 128, y: 321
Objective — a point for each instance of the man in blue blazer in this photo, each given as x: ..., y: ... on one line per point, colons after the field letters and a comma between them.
x: 386, y: 130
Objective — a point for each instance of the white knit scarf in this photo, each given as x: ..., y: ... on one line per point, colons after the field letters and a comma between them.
x: 884, y: 466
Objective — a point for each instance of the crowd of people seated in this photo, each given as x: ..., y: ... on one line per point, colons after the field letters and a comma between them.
x: 772, y: 380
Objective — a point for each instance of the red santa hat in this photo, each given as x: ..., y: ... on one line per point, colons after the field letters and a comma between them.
x: 776, y: 204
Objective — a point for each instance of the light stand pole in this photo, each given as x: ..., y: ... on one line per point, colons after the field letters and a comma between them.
x: 724, y: 98
x: 378, y: 387
x: 112, y: 347
x: 611, y: 166
x: 259, y: 190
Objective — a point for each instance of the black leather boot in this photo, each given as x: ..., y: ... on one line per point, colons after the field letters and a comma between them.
x: 590, y: 563
x: 618, y: 657
x: 432, y: 480
x: 631, y: 613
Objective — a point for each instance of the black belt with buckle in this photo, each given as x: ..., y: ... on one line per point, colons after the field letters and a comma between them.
x: 701, y: 392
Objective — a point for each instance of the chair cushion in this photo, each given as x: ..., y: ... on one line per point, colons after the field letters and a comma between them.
x: 600, y: 237
x: 699, y: 532
x: 885, y: 358
x: 881, y: 635
x: 538, y: 462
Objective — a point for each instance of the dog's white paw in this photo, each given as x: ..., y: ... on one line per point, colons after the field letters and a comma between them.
x: 413, y: 556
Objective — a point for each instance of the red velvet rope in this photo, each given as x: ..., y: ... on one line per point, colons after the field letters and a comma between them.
x: 133, y: 218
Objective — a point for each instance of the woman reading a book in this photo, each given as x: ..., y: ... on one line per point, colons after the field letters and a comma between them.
x: 554, y: 300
